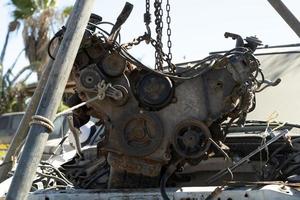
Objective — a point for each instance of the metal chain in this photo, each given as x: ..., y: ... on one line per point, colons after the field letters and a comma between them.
x: 160, y: 56
x: 137, y: 41
x: 147, y: 36
x: 147, y: 15
x: 159, y: 27
x: 171, y: 67
x: 147, y: 20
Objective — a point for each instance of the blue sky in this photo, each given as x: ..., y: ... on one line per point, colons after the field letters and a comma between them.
x: 197, y: 26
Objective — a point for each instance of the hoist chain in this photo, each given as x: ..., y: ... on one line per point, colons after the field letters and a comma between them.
x: 147, y: 36
x: 137, y: 41
x: 158, y: 12
x: 160, y: 56
x: 171, y: 67
x: 147, y: 20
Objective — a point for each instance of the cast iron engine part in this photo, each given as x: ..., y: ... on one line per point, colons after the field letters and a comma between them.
x: 90, y: 77
x: 113, y: 65
x: 252, y: 42
x: 141, y: 134
x: 191, y: 139
x: 148, y: 123
x: 119, y: 95
x: 151, y: 116
x: 154, y: 91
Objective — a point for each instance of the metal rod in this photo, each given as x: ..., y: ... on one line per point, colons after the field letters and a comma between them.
x: 23, y: 127
x: 279, y: 46
x: 38, y: 135
x: 254, y: 128
x: 246, y: 158
x: 276, y: 53
x: 256, y: 54
x: 287, y: 15
x: 76, y: 133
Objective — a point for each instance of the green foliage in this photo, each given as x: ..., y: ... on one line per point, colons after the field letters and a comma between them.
x: 45, y: 4
x: 36, y: 17
x: 14, y: 99
x: 26, y: 8
x: 67, y: 11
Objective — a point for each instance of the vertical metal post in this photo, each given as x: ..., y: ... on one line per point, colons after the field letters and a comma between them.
x: 38, y: 135
x: 287, y: 15
x: 24, y: 125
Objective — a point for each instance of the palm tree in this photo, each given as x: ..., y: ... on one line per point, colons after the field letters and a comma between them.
x: 11, y: 27
x: 37, y: 18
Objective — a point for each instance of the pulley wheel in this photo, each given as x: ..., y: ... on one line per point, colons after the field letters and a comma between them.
x: 191, y: 138
x: 141, y: 135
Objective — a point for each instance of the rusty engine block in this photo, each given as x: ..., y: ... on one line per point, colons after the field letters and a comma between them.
x: 155, y: 119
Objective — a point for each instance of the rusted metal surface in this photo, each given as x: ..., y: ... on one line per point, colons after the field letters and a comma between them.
x: 142, y: 123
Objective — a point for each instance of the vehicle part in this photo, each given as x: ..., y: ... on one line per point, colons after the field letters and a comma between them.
x: 191, y: 139
x: 153, y: 91
x: 143, y: 132
x: 162, y: 115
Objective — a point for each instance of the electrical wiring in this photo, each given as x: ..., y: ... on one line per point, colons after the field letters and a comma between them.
x: 199, y: 68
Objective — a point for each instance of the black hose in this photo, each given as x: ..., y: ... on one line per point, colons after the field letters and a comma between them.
x: 49, y: 47
x: 163, y: 181
x: 56, y: 35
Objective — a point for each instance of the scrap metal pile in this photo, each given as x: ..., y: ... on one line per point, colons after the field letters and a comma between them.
x: 158, y: 121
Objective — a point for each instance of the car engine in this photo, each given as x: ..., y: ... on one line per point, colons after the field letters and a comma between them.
x: 157, y: 121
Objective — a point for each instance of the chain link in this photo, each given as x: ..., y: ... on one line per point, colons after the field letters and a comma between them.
x: 147, y: 20
x: 137, y: 41
x: 171, y: 67
x: 159, y: 27
x: 160, y: 56
x: 147, y: 36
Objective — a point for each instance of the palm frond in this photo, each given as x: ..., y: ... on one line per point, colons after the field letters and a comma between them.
x: 24, y: 8
x: 67, y: 11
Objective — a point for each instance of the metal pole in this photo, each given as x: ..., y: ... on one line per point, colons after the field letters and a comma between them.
x: 38, y: 135
x: 24, y: 125
x: 287, y: 15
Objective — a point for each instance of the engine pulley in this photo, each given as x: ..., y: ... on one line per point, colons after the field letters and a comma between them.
x: 141, y: 134
x: 191, y: 138
x: 154, y: 92
x: 113, y: 65
x: 90, y: 77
